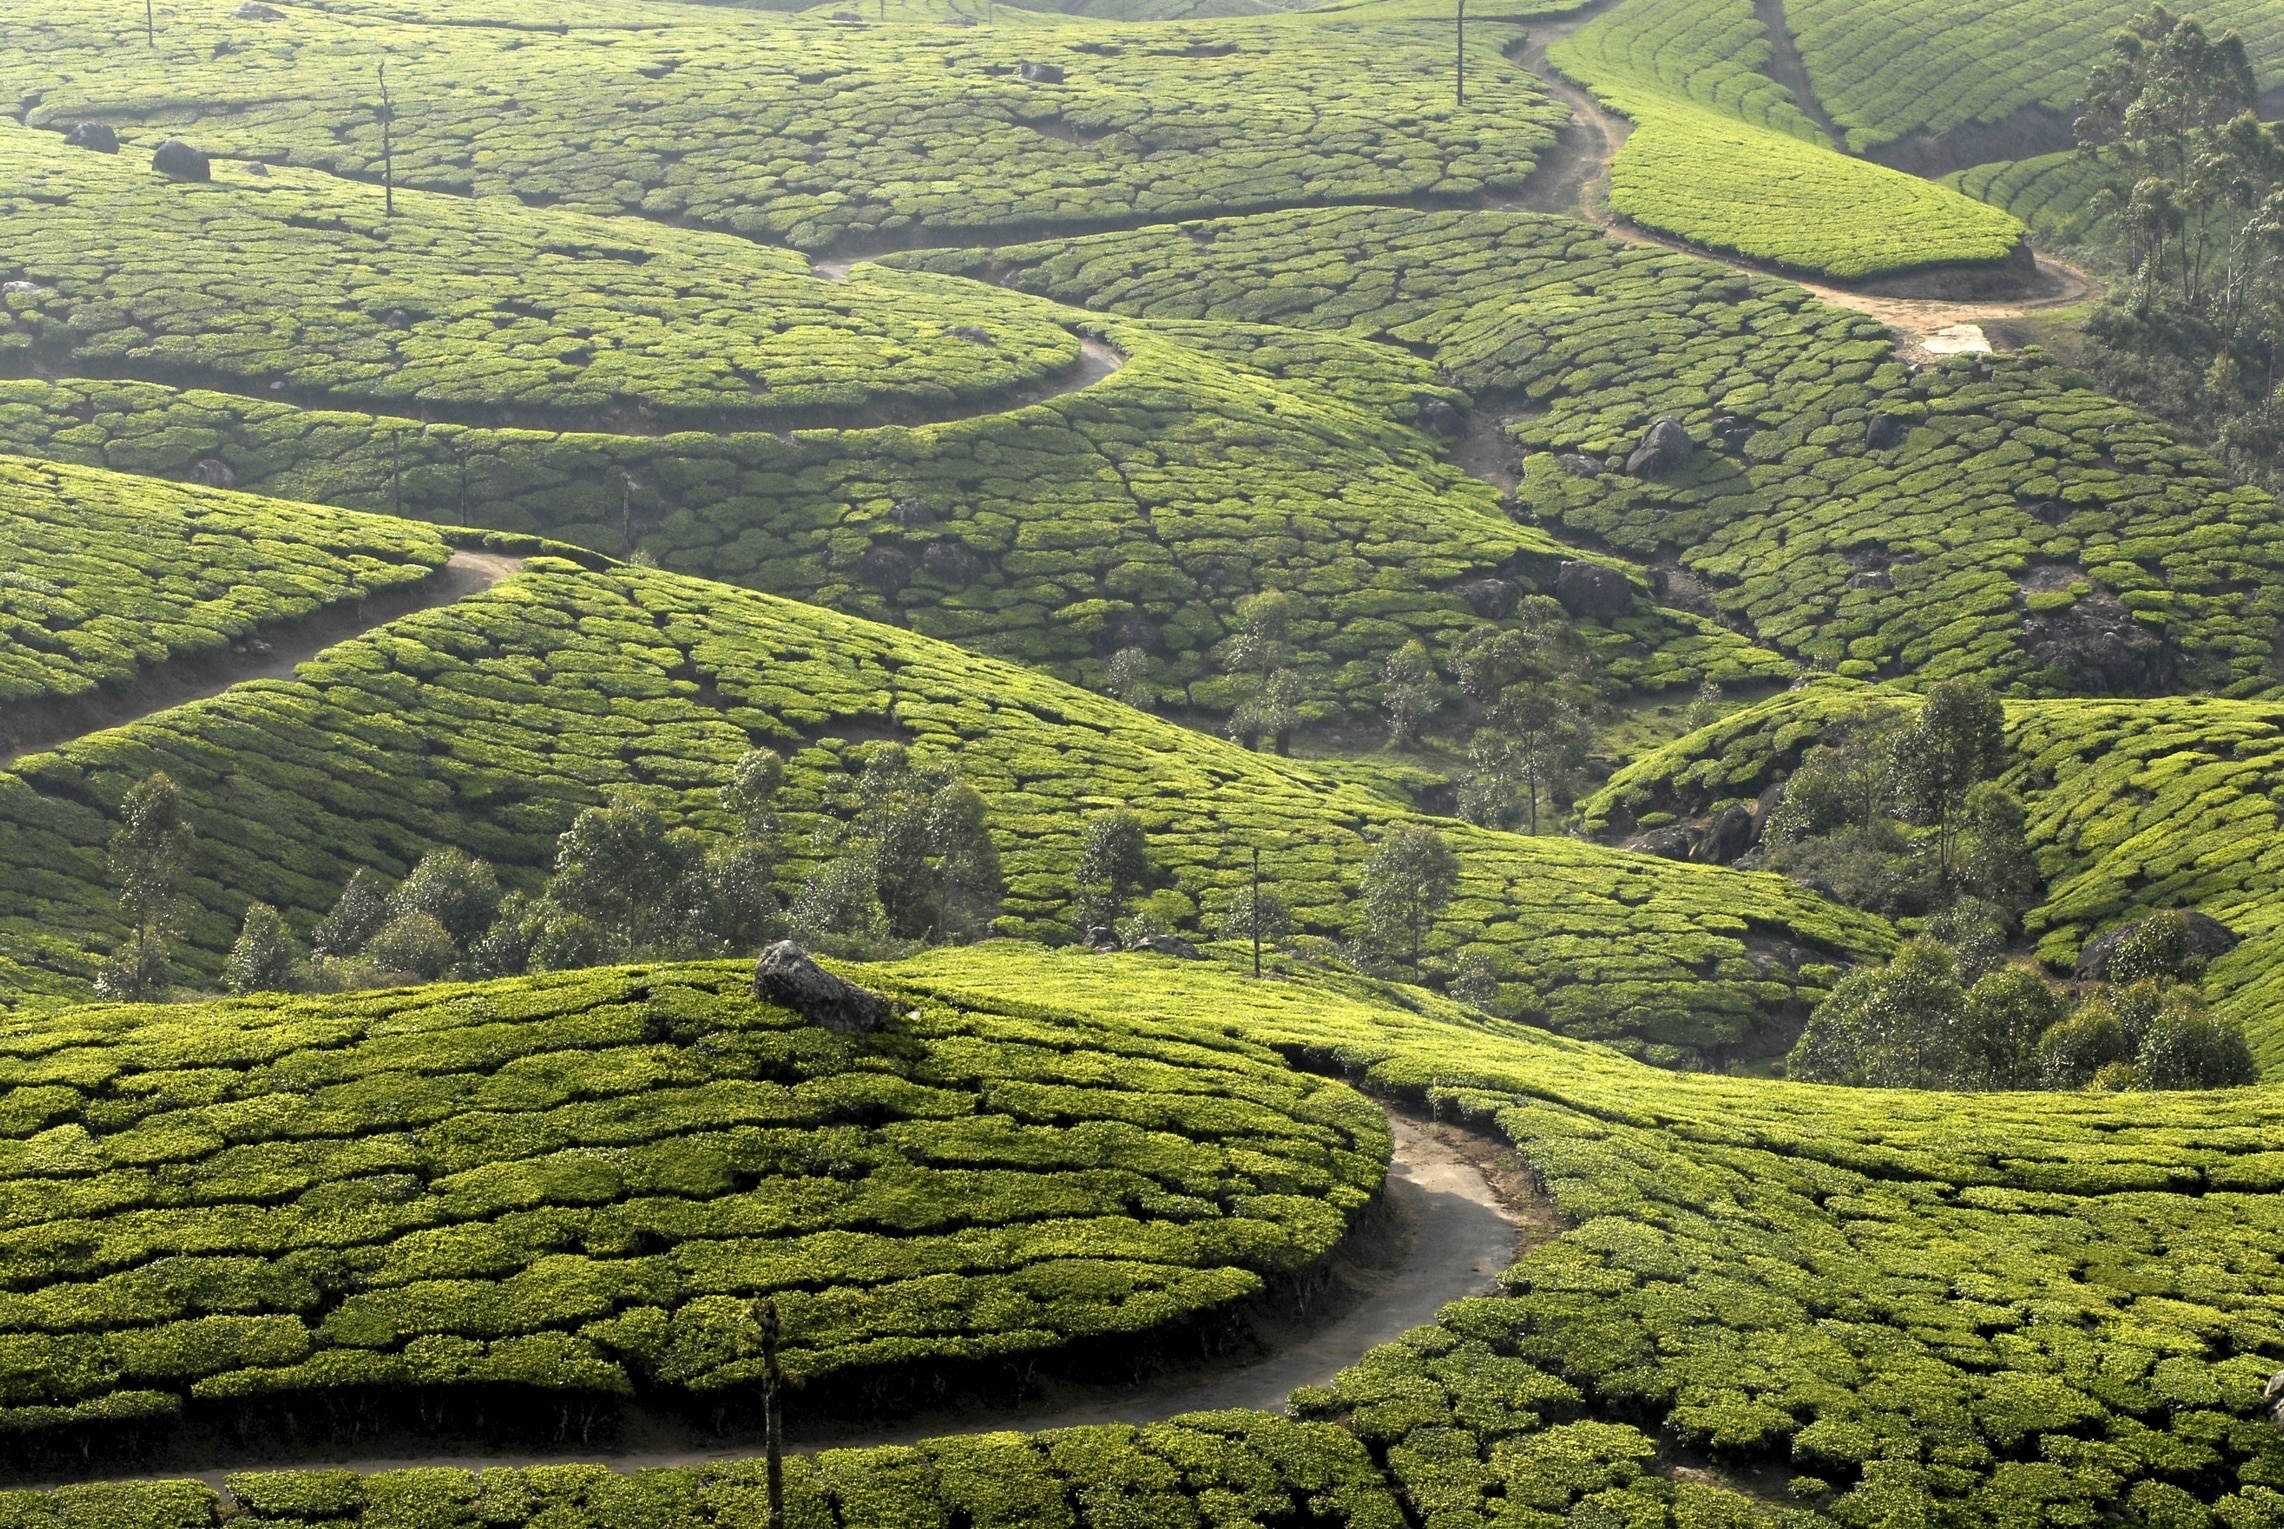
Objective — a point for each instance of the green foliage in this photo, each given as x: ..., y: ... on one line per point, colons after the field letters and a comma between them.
x: 489, y: 725
x: 1409, y: 879
x: 1723, y: 156
x: 458, y: 891
x: 264, y: 958
x: 566, y: 1182
x: 106, y: 575
x: 1918, y: 561
x: 1113, y: 867
x: 795, y: 130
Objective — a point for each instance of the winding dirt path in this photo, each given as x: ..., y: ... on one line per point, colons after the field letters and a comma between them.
x: 272, y: 653
x: 1461, y: 1214
x: 1574, y: 180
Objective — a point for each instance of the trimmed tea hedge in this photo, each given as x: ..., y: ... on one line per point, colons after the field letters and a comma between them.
x: 296, y: 282
x: 1221, y: 460
x: 2010, y: 487
x: 1987, y: 1309
x: 489, y: 723
x: 1725, y: 157
x: 801, y: 130
x: 577, y: 1184
x: 2050, y: 193
x: 1207, y: 1470
x: 103, y: 575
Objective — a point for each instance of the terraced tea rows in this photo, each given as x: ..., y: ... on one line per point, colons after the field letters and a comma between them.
x: 1972, y: 1308
x: 2049, y: 192
x: 294, y: 282
x: 1725, y: 157
x: 102, y: 576
x: 1221, y: 1470
x: 1936, y: 66
x: 489, y: 724
x: 804, y: 131
x: 576, y: 1185
x: 1221, y: 460
x: 1997, y: 519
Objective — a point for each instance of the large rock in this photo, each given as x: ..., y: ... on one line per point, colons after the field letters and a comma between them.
x: 178, y: 161
x: 1885, y: 432
x: 1041, y: 74
x: 1664, y: 450
x: 1729, y: 835
x: 2096, y: 643
x: 1489, y: 598
x: 97, y: 136
x: 887, y: 567
x: 952, y: 561
x: 1168, y: 945
x: 213, y: 472
x: 1579, y: 466
x: 1668, y: 843
x: 1439, y: 417
x: 785, y: 975
x: 1593, y: 592
x: 254, y: 10
x: 2208, y: 937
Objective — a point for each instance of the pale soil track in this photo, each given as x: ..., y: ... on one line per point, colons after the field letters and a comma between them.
x: 1461, y: 1211
x: 271, y: 653
x: 1574, y: 180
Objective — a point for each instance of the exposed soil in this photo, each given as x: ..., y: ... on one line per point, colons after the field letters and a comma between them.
x: 2022, y: 134
x: 270, y: 653
x: 1460, y: 1208
x: 1785, y: 67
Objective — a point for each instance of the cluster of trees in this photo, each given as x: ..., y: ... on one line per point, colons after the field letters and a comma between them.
x: 1905, y: 816
x: 1930, y: 1019
x: 915, y: 863
x: 1519, y: 700
x: 2195, y: 192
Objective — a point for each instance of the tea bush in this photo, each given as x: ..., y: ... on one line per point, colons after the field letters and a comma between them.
x: 1208, y: 1470
x: 2050, y: 193
x: 798, y: 130
x: 2010, y: 491
x: 577, y: 1183
x: 103, y: 575
x: 1973, y: 1309
x: 488, y: 724
x: 1221, y: 460
x: 296, y: 282
x: 1724, y: 156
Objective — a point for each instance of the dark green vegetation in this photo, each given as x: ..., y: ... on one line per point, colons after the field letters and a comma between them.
x: 575, y: 1184
x: 489, y: 724
x: 1871, y: 519
x: 102, y: 576
x: 797, y: 130
x: 1220, y: 1470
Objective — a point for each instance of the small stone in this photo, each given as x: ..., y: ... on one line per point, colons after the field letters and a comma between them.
x: 1170, y: 945
x: 1871, y: 578
x: 178, y: 161
x: 970, y: 333
x: 1665, y: 449
x: 1578, y: 465
x: 1592, y: 592
x: 254, y: 10
x: 95, y: 136
x: 1884, y: 432
x: 785, y: 975
x: 22, y: 289
x: 912, y: 512
x: 1040, y: 74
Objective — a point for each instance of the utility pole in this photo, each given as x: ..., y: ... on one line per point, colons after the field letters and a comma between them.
x: 772, y: 1415
x: 150, y: 24
x: 388, y: 148
x: 1256, y: 912
x: 1459, y: 58
x: 396, y: 472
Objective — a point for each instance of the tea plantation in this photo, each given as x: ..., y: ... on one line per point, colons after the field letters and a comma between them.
x: 576, y: 1184
x: 103, y: 575
x: 1874, y: 519
x: 488, y: 724
x: 801, y: 130
x: 1723, y: 156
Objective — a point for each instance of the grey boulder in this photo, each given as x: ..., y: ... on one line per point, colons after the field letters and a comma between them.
x: 178, y: 161
x: 1592, y: 592
x: 785, y: 975
x: 1664, y: 450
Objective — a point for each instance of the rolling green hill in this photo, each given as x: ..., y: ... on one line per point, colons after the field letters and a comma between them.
x: 489, y: 723
x: 1873, y: 519
x: 575, y: 1184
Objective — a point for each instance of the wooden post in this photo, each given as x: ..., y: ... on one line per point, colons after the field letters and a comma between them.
x: 772, y: 1413
x: 1256, y: 912
x: 150, y: 24
x: 388, y: 150
x: 1459, y: 59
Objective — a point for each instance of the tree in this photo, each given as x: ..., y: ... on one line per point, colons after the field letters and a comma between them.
x: 357, y: 915
x: 1958, y: 739
x: 413, y: 945
x: 1475, y: 980
x: 1491, y: 789
x: 2070, y: 1054
x: 1995, y: 865
x: 969, y: 882
x: 2005, y: 1014
x: 1129, y: 679
x: 2157, y: 947
x: 1258, y: 647
x: 1533, y: 683
x: 840, y: 902
x: 453, y: 887
x: 150, y: 860
x: 751, y: 795
x: 1271, y: 712
x: 388, y: 148
x: 1407, y: 692
x: 621, y: 869
x: 1409, y: 877
x: 1114, y: 865
x: 264, y: 957
x: 2185, y: 1046
x: 1900, y: 1026
x: 892, y: 816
